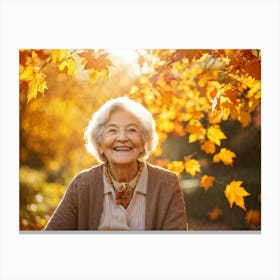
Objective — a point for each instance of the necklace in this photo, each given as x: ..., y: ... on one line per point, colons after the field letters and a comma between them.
x: 124, y: 191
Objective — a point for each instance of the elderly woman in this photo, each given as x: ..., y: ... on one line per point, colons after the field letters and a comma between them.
x: 124, y: 192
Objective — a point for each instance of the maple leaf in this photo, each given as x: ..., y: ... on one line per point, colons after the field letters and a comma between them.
x: 207, y: 181
x: 27, y: 73
x: 57, y: 56
x: 87, y: 54
x: 253, y: 217
x: 235, y: 194
x: 225, y: 155
x: 102, y: 62
x: 89, y: 59
x: 176, y: 166
x: 215, y: 134
x: 196, y: 130
x: 68, y: 66
x: 192, y: 166
x: 208, y: 147
x: 215, y: 213
x: 37, y: 85
x: 244, y: 118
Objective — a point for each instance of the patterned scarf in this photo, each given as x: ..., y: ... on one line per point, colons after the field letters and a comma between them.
x: 123, y: 190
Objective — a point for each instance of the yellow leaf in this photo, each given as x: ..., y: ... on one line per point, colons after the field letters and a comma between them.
x: 207, y: 181
x: 192, y: 166
x: 68, y: 66
x: 196, y: 130
x: 215, y: 213
x: 27, y: 73
x: 255, y: 88
x: 37, y: 85
x: 208, y: 147
x: 235, y: 194
x: 58, y: 56
x: 253, y: 217
x: 215, y: 134
x: 176, y: 166
x: 225, y: 155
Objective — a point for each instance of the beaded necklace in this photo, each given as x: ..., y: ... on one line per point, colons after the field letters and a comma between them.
x: 125, y: 191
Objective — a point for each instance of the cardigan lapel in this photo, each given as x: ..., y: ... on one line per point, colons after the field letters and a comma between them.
x: 96, y: 197
x: 148, y: 214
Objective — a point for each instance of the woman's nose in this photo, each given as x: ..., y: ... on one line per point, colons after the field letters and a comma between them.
x: 122, y: 136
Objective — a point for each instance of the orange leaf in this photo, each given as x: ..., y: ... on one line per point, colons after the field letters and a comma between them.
x: 102, y: 62
x: 253, y: 217
x: 215, y: 134
x: 88, y: 57
x: 207, y: 181
x: 215, y: 213
x: 244, y: 118
x: 192, y: 166
x: 235, y: 194
x: 208, y: 147
x: 225, y: 155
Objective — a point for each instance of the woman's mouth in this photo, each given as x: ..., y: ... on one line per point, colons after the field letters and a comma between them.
x: 122, y: 149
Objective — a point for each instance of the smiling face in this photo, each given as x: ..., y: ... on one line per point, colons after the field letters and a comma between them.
x: 121, y: 141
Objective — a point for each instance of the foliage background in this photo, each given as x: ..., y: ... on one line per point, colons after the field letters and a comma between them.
x: 187, y: 91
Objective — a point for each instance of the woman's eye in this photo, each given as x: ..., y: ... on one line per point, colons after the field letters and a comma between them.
x: 112, y: 130
x: 132, y: 130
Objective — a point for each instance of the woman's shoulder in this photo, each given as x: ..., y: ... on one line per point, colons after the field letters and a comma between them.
x: 158, y: 171
x: 89, y: 172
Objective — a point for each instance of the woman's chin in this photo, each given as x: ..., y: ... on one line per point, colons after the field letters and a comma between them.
x: 123, y: 161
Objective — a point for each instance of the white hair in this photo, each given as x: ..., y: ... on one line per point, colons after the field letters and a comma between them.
x: 94, y: 130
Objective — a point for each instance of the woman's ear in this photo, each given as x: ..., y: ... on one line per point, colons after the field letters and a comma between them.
x: 100, y: 150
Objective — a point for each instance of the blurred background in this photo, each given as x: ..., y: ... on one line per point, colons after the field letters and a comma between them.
x: 61, y: 89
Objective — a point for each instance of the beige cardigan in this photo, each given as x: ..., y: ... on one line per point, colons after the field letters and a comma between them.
x: 82, y: 204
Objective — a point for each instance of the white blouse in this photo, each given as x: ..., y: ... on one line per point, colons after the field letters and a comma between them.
x: 116, y: 217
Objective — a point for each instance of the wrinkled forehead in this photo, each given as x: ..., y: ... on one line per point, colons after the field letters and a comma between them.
x: 122, y: 118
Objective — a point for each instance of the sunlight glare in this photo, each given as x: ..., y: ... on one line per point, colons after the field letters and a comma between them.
x: 129, y: 57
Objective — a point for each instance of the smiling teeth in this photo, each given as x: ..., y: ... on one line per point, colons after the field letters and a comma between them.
x: 122, y: 149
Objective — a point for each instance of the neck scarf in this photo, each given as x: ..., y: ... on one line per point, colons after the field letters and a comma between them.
x: 123, y: 190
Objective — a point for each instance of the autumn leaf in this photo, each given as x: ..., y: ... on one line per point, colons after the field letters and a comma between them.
x: 225, y: 155
x: 215, y: 213
x: 37, y: 85
x: 208, y: 147
x: 253, y: 217
x: 244, y: 118
x: 176, y: 166
x: 57, y: 56
x: 192, y: 166
x: 207, y: 181
x: 235, y: 194
x: 27, y: 73
x: 36, y: 81
x: 67, y: 66
x: 215, y: 134
x: 89, y: 59
x: 102, y: 62
x: 196, y: 130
